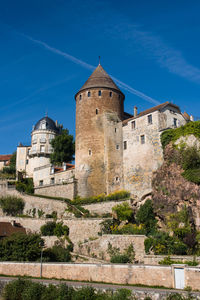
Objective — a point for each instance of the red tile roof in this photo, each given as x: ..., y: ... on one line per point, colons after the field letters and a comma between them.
x: 6, y: 229
x: 152, y: 109
x: 5, y: 157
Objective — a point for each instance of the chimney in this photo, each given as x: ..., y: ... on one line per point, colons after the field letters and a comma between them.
x: 135, y: 111
x: 191, y: 118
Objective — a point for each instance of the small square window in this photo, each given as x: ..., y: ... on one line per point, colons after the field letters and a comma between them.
x: 99, y: 93
x: 125, y: 145
x: 52, y: 180
x: 110, y: 94
x: 142, y: 138
x: 149, y: 119
x: 40, y: 182
x: 89, y: 94
x: 117, y: 146
x: 133, y: 125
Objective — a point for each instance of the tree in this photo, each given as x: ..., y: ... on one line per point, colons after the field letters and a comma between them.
x: 146, y: 216
x: 63, y: 148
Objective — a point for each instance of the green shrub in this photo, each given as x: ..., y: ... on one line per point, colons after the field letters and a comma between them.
x: 21, y: 247
x: 120, y: 259
x: 25, y: 186
x: 22, y: 289
x: 119, y: 195
x: 123, y: 211
x: 130, y: 229
x: 127, y: 256
x: 171, y: 135
x: 48, y: 229
x: 12, y: 205
x: 57, y: 254
x: 53, y: 228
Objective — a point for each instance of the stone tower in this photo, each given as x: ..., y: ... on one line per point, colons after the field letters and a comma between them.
x: 99, y: 142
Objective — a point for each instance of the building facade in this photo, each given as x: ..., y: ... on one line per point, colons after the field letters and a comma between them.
x: 113, y: 149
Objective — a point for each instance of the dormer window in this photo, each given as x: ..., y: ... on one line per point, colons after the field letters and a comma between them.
x: 99, y: 93
x: 43, y: 125
x: 89, y: 94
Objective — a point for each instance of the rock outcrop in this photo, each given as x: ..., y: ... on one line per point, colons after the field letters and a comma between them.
x: 171, y: 191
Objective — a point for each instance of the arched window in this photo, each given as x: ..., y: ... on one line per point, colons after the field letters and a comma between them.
x: 89, y: 94
x: 99, y: 93
x: 80, y: 97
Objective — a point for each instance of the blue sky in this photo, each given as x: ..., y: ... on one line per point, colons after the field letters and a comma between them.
x: 48, y: 49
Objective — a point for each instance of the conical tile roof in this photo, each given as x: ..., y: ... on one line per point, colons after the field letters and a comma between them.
x: 99, y: 79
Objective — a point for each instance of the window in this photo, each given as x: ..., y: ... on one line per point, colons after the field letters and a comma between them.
x: 110, y: 94
x: 52, y: 180
x: 99, y: 93
x: 89, y: 94
x: 117, y: 146
x: 149, y: 119
x: 115, y: 129
x: 80, y: 97
x: 142, y: 138
x: 119, y: 96
x: 42, y: 149
x: 133, y: 125
x: 27, y: 161
x: 97, y: 111
x: 43, y: 125
x: 90, y: 152
x: 125, y: 145
x: 40, y: 182
x: 175, y: 122
x: 117, y: 179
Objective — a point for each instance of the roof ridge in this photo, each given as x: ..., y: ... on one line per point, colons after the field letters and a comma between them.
x: 99, y: 79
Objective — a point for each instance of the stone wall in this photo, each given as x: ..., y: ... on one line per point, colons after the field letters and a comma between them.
x: 107, y: 273
x: 103, y: 207
x: 67, y: 190
x: 99, y: 247
x: 79, y: 229
x: 37, y: 203
x: 155, y: 259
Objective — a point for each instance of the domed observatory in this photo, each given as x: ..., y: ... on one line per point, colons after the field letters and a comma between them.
x: 42, y: 134
x: 98, y: 154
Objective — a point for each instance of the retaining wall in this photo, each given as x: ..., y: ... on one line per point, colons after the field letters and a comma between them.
x: 107, y: 273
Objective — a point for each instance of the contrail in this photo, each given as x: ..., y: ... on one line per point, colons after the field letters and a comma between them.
x: 91, y: 67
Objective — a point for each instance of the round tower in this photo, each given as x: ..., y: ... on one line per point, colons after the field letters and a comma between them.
x: 98, y: 102
x: 43, y: 132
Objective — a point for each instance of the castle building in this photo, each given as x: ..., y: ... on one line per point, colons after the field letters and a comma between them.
x: 113, y: 149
